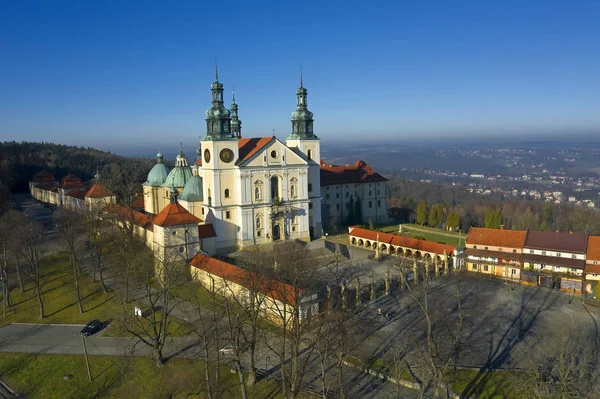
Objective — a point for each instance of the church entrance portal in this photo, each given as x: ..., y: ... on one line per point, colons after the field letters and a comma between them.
x: 276, y: 232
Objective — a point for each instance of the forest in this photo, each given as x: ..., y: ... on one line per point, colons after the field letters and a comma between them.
x: 20, y: 161
x: 454, y: 207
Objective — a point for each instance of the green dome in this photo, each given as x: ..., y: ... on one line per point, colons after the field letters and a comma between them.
x: 158, y: 175
x: 178, y: 177
x: 302, y: 114
x: 193, y: 191
x: 217, y: 112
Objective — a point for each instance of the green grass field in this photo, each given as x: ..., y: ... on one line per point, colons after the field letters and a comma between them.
x: 427, y: 233
x: 58, y: 295
x: 41, y: 376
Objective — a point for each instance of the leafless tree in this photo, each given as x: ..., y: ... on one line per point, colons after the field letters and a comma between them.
x: 70, y: 229
x: 33, y: 253
x: 157, y: 279
x: 6, y: 229
x: 562, y: 364
x: 96, y: 246
x: 16, y: 221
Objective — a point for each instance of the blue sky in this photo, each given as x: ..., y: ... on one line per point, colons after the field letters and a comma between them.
x: 124, y: 73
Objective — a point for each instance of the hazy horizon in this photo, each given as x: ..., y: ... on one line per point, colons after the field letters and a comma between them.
x: 121, y: 74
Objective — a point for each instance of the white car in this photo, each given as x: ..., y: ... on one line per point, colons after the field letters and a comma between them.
x: 226, y: 350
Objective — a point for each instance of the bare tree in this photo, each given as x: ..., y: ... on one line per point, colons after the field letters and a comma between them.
x: 562, y: 364
x: 70, y: 230
x: 157, y: 278
x: 33, y: 253
x: 96, y: 247
x: 17, y: 221
x: 6, y: 229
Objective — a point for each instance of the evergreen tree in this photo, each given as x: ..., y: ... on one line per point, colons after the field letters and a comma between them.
x: 452, y: 221
x: 436, y: 215
x: 422, y: 213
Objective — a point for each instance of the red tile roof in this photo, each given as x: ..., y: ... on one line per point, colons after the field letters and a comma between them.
x: 595, y: 269
x: 198, y: 162
x: 98, y: 191
x: 138, y: 202
x: 552, y: 241
x: 385, y: 238
x: 71, y: 181
x: 78, y: 193
x: 174, y: 215
x: 43, y: 176
x: 139, y: 218
x: 593, y: 248
x: 47, y: 186
x: 360, y: 172
x: 271, y: 288
x: 206, y: 231
x: 497, y: 237
x: 250, y: 146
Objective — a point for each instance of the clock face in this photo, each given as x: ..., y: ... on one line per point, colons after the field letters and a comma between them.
x: 226, y: 155
x: 206, y: 156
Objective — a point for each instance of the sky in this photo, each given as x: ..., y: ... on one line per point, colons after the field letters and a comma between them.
x: 137, y: 74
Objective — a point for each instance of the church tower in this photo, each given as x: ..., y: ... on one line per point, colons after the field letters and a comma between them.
x: 303, y: 138
x: 219, y: 156
x: 236, y: 123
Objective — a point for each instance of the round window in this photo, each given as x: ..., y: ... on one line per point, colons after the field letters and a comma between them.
x: 181, y: 250
x: 274, y: 154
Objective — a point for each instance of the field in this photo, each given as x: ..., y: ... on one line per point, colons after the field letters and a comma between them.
x: 427, y: 233
x: 58, y: 295
x: 42, y: 376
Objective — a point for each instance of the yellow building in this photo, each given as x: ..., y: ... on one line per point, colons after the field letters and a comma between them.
x: 497, y: 252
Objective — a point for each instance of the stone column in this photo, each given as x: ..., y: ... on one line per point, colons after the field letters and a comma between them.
x: 402, y: 279
x: 436, y: 265
x: 329, y: 299
x: 445, y: 262
x: 387, y: 282
x: 372, y: 286
x: 416, y: 271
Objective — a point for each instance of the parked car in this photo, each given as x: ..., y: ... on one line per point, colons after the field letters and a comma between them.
x: 92, y: 327
x: 226, y: 350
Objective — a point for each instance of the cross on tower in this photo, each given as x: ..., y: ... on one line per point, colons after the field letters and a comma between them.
x: 301, y: 69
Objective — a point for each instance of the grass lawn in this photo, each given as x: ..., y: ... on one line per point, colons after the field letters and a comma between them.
x: 490, y: 385
x: 58, y: 295
x: 428, y: 233
x: 194, y: 293
x: 41, y: 376
x: 177, y: 327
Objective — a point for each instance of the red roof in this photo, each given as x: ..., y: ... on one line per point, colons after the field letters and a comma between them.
x: 43, y: 176
x: 552, y: 241
x: 79, y: 193
x: 250, y: 146
x: 138, y: 202
x: 496, y: 237
x: 271, y: 288
x: 360, y: 172
x: 198, y: 162
x: 98, y: 191
x: 593, y: 248
x: 47, y: 186
x: 139, y: 218
x: 174, y: 215
x: 206, y: 231
x: 71, y: 181
x: 402, y: 241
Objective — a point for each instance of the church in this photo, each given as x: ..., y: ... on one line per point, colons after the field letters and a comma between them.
x: 251, y: 190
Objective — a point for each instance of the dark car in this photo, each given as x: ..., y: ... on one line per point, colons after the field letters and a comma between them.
x: 92, y: 327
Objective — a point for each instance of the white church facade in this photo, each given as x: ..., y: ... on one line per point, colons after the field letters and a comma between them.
x: 251, y: 190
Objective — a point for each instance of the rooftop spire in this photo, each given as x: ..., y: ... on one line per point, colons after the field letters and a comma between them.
x: 301, y: 81
x: 233, y: 93
x: 216, y: 69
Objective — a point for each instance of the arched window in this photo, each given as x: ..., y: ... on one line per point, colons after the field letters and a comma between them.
x: 309, y: 155
x: 258, y: 222
x: 275, y: 188
x: 258, y: 185
x: 256, y: 193
x: 226, y: 193
x: 293, y: 191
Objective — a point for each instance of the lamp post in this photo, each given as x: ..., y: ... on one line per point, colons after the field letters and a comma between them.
x: 267, y: 358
